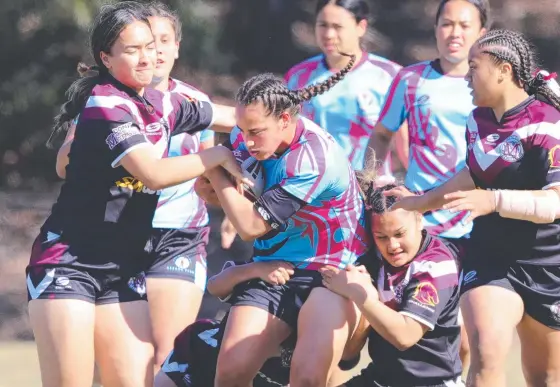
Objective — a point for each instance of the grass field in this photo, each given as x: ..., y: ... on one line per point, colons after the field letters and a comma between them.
x: 19, y: 366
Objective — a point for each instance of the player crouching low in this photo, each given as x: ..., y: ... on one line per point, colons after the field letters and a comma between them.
x: 408, y: 292
x: 192, y: 362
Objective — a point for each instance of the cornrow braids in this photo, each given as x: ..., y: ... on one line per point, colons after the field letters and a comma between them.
x: 512, y: 47
x: 277, y: 98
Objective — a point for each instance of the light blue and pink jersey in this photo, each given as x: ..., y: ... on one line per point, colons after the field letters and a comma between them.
x: 329, y: 228
x: 436, y: 108
x: 351, y: 108
x: 179, y: 207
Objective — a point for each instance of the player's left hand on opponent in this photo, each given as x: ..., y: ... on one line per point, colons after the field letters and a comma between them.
x: 354, y: 282
x: 478, y: 202
x: 205, y: 191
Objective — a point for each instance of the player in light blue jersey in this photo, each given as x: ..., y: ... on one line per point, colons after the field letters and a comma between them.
x: 433, y: 97
x: 351, y: 109
x: 309, y: 214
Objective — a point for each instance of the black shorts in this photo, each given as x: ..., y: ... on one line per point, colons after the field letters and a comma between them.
x: 55, y: 272
x: 179, y: 254
x: 537, y: 285
x: 370, y: 376
x: 282, y: 301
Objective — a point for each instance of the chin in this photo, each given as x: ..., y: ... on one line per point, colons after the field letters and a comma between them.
x: 456, y: 57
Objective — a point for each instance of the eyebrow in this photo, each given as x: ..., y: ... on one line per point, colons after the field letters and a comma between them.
x: 138, y: 45
x: 396, y: 231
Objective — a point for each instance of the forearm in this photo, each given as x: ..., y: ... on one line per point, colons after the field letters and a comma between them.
x: 539, y: 207
x: 239, y: 210
x: 62, y: 159
x: 378, y: 145
x: 434, y: 199
x: 221, y: 285
x: 167, y: 172
x: 388, y: 323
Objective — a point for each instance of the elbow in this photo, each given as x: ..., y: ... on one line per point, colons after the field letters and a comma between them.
x: 405, y: 343
x: 247, y: 236
x: 61, y: 171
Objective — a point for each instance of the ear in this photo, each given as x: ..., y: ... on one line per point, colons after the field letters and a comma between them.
x: 419, y: 221
x: 482, y: 32
x: 362, y: 27
x: 506, y: 71
x: 177, y: 44
x: 285, y: 118
x: 105, y: 59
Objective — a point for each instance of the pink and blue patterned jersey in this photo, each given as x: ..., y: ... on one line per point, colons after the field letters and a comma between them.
x: 350, y: 110
x: 436, y: 108
x: 329, y: 228
x: 179, y: 206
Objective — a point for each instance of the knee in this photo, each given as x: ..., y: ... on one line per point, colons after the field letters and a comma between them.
x: 306, y: 374
x: 232, y: 371
x: 488, y: 350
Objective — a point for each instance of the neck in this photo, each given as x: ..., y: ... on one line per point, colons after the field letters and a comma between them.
x: 459, y: 69
x: 160, y: 83
x: 510, y: 99
x: 290, y: 133
x: 338, y: 62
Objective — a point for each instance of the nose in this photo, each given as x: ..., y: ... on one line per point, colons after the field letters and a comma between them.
x: 394, y: 244
x: 250, y: 143
x: 456, y: 31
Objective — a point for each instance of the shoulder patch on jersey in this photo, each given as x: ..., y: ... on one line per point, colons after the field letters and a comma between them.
x: 120, y: 134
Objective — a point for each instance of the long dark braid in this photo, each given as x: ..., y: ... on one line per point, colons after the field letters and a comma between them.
x: 512, y: 47
x: 277, y: 98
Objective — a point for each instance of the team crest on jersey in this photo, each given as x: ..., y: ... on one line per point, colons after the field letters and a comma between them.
x: 511, y: 150
x: 554, y: 157
x: 138, y: 284
x: 426, y: 294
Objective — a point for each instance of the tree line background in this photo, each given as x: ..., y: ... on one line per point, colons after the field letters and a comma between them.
x: 224, y: 42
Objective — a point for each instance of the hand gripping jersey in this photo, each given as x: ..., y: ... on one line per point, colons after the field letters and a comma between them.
x: 427, y: 291
x: 179, y: 206
x: 101, y: 207
x: 521, y: 152
x: 350, y: 110
x: 436, y: 108
x: 328, y: 226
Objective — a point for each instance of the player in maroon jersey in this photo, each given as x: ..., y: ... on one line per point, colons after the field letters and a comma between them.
x: 408, y: 291
x: 511, y: 269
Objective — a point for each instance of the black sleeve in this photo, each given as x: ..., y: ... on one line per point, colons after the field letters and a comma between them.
x: 190, y: 115
x: 276, y: 206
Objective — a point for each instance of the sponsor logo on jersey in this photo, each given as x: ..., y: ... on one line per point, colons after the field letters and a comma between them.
x: 134, y: 184
x: 426, y: 294
x: 492, y: 138
x: 121, y: 133
x: 555, y: 311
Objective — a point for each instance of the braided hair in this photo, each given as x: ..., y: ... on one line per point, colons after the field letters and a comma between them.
x: 512, y: 47
x: 277, y: 98
x: 373, y: 196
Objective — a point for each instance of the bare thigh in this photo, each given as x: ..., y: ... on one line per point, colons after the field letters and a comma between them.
x: 251, y: 336
x: 491, y: 314
x: 123, y: 344
x: 325, y: 323
x: 540, y: 353
x: 63, y: 332
x: 174, y: 304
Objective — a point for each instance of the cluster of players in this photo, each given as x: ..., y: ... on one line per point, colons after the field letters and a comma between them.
x: 342, y: 255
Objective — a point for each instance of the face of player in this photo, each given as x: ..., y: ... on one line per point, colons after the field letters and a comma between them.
x: 263, y: 133
x: 486, y: 79
x: 457, y: 30
x: 336, y: 31
x: 397, y: 235
x: 133, y: 56
x: 166, y: 45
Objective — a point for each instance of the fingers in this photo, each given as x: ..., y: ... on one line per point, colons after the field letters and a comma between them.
x: 458, y: 206
x: 455, y: 195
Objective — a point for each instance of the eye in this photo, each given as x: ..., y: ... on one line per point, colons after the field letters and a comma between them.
x: 381, y: 237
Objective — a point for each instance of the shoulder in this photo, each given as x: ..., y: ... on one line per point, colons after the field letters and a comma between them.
x: 384, y: 64
x: 187, y: 90
x: 437, y: 260
x: 303, y: 67
x: 414, y: 71
x: 109, y: 103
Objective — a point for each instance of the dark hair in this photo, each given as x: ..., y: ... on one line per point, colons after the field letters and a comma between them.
x: 107, y: 26
x: 277, y: 98
x: 373, y: 196
x: 512, y: 47
x: 481, y: 5
x: 359, y: 8
x: 159, y: 9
